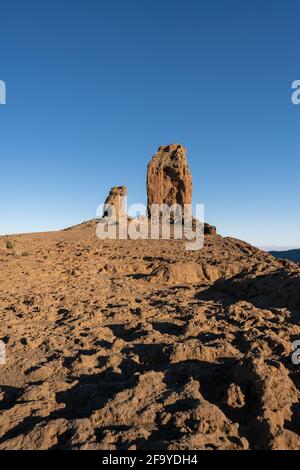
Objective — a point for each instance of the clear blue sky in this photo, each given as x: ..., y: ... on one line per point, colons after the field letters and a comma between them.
x: 95, y: 87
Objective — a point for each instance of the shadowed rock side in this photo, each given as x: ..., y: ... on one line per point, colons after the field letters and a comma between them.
x: 143, y: 345
x: 169, y: 180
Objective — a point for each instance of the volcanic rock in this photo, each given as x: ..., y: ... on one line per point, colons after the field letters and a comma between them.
x: 210, y: 229
x: 122, y: 344
x: 169, y: 180
x: 115, y: 200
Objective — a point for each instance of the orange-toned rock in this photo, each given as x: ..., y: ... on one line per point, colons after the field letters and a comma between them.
x: 114, y: 199
x: 169, y: 180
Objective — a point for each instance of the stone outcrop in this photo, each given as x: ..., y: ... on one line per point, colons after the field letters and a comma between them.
x: 169, y: 180
x: 114, y: 199
x: 209, y: 229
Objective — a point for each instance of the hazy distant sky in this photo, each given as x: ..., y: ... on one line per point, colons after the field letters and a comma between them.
x: 95, y: 87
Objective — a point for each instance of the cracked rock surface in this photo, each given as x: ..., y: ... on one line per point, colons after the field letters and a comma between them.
x: 143, y: 345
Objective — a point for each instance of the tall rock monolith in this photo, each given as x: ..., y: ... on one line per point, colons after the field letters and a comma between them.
x: 169, y: 180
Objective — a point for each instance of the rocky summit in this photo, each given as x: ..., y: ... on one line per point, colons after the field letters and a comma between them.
x: 122, y: 344
x: 140, y: 344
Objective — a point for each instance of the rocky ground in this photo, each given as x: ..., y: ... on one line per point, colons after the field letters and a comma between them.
x: 143, y: 345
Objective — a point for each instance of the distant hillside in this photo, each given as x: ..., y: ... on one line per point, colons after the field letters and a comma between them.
x: 292, y: 255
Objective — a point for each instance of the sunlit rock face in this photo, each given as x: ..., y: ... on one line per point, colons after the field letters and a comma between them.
x: 169, y: 180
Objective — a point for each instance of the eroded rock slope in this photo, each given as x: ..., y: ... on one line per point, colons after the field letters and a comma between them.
x: 142, y: 345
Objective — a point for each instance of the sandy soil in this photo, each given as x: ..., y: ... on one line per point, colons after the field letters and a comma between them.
x: 143, y: 345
